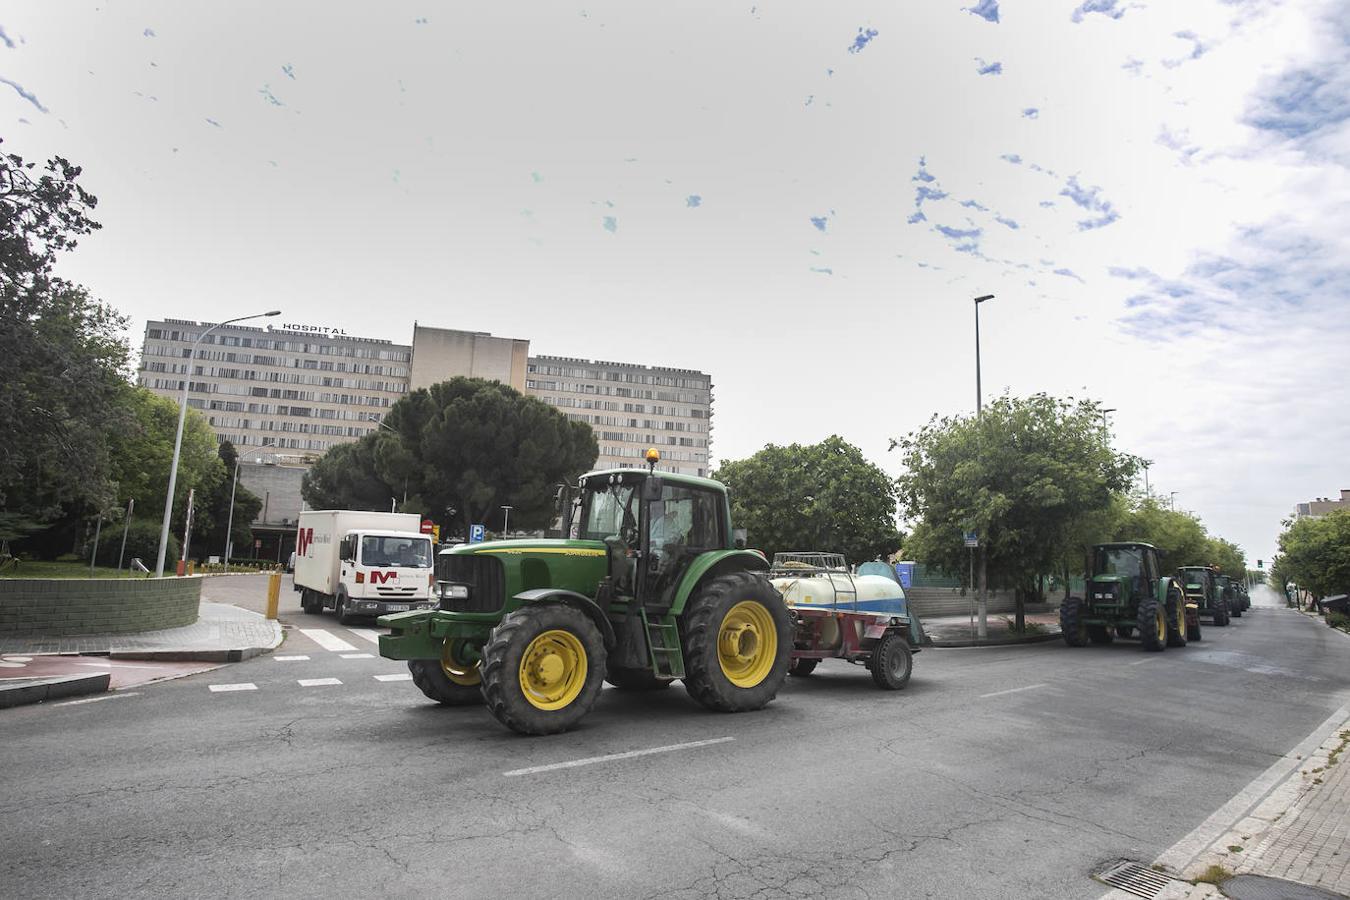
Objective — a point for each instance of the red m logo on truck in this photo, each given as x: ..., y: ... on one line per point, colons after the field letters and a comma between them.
x: 303, y: 539
x: 382, y: 577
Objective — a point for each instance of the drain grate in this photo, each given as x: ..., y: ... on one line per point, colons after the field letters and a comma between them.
x: 1135, y: 879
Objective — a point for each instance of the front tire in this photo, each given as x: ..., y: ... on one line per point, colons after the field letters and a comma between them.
x: 1152, y: 624
x: 343, y: 617
x: 891, y: 663
x: 737, y: 642
x: 447, y: 681
x: 800, y: 668
x: 542, y: 668
x: 1071, y: 622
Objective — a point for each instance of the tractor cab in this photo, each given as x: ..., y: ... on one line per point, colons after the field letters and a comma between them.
x: 1121, y: 573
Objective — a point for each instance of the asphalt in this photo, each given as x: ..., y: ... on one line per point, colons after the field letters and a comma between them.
x: 999, y: 772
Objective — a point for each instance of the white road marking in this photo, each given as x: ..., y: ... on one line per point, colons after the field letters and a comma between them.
x: 327, y: 640
x: 369, y: 634
x: 317, y: 682
x: 358, y: 656
x: 397, y: 676
x: 1140, y: 662
x: 9, y: 664
x: 246, y: 686
x: 1030, y: 687
x: 611, y: 757
x: 97, y: 699
x: 290, y: 658
x: 18, y: 659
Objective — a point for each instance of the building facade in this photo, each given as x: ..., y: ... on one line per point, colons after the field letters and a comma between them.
x: 439, y: 354
x: 302, y: 391
x: 1322, y: 506
x: 631, y: 408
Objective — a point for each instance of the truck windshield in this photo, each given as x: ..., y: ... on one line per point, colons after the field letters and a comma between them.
x: 607, y: 510
x: 388, y: 552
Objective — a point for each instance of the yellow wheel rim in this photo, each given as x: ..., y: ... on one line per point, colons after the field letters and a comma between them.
x: 1181, y: 616
x: 747, y: 644
x: 1162, y: 624
x: 553, y: 669
x: 456, y: 671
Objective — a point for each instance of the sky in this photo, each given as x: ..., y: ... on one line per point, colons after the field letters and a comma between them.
x: 799, y: 199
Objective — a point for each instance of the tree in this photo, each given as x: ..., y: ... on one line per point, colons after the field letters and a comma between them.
x: 467, y: 445
x: 214, y: 510
x: 1027, y: 476
x: 62, y: 357
x: 1228, y: 557
x: 1315, y: 554
x: 1179, y: 536
x: 824, y: 496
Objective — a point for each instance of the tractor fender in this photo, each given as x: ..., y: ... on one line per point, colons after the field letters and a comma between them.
x: 712, y: 564
x: 577, y: 601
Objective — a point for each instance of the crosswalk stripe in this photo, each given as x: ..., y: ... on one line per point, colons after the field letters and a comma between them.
x: 369, y: 634
x: 317, y: 682
x: 289, y: 658
x: 358, y: 656
x: 247, y: 686
x: 397, y: 676
x: 327, y: 640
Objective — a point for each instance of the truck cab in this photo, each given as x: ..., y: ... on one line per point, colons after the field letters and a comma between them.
x: 362, y: 564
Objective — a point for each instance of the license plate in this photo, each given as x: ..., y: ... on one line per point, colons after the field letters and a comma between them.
x: 398, y: 607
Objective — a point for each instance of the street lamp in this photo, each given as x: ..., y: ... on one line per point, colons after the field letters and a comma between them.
x: 382, y: 424
x: 229, y: 527
x: 1104, y: 412
x: 1172, y: 501
x: 178, y: 438
x: 506, y: 518
x: 979, y: 404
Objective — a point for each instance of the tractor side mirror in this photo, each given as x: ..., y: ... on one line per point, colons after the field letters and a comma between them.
x: 651, y: 489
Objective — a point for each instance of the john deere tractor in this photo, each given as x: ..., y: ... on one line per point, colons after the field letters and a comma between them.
x: 1127, y: 592
x: 648, y: 587
x: 1203, y: 591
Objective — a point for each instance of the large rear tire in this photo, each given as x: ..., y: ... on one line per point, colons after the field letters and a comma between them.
x: 737, y: 641
x: 542, y: 668
x: 447, y: 681
x: 1071, y: 622
x: 891, y: 663
x: 1176, y: 618
x: 1152, y: 624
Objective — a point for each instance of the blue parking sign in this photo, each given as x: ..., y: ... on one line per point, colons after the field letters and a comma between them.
x: 476, y: 533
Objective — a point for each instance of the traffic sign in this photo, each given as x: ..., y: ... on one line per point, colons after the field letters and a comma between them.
x: 428, y: 526
x: 972, y: 539
x: 477, y: 533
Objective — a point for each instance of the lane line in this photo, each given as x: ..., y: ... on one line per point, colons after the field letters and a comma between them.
x: 611, y: 757
x: 1030, y: 687
x: 369, y: 634
x: 1140, y: 662
x: 327, y: 640
x: 317, y: 682
x: 290, y: 658
x: 221, y: 688
x: 397, y: 676
x: 358, y: 656
x: 97, y: 699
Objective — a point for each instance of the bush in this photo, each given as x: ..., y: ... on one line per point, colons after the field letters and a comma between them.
x: 1339, y: 620
x: 142, y: 541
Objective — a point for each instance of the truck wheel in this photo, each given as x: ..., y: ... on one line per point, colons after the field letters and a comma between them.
x: 1152, y: 624
x: 343, y: 617
x: 891, y: 663
x: 1071, y: 622
x: 310, y: 602
x: 626, y: 679
x: 1176, y: 619
x: 1125, y: 631
x: 448, y: 682
x: 737, y: 642
x: 1100, y: 634
x: 800, y: 668
x: 542, y: 668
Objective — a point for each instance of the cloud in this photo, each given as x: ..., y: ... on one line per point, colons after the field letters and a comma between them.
x: 266, y: 91
x: 610, y: 224
x: 5, y: 39
x: 1132, y: 65
x: 993, y: 68
x: 863, y: 38
x: 916, y: 218
x: 823, y: 270
x: 1003, y: 220
x: 1031, y: 112
x: 985, y: 9
x: 958, y: 233
x: 289, y: 70
x: 693, y: 201
x: 1109, y: 8
x: 1198, y: 49
x: 820, y: 222
x: 25, y: 94
x: 1012, y: 158
x: 1303, y: 102
x: 1091, y: 200
x: 214, y: 122
x: 974, y: 204
x: 1176, y: 141
x: 149, y: 32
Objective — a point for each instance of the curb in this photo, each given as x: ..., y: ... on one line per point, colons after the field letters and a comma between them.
x: 222, y: 656
x: 53, y: 688
x: 999, y: 642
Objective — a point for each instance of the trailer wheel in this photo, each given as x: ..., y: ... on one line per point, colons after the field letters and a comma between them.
x: 800, y: 668
x: 891, y: 663
x: 626, y: 679
x: 447, y: 681
x: 737, y: 642
x: 1152, y: 624
x: 1100, y: 634
x: 542, y: 668
x: 1071, y: 622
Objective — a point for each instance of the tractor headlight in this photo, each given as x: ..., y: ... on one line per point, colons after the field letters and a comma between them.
x: 448, y: 591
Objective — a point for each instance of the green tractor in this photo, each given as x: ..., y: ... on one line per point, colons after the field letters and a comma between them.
x: 1126, y: 591
x: 1224, y: 586
x: 650, y: 586
x: 1202, y: 590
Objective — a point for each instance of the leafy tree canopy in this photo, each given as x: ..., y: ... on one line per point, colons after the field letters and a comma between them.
x: 1315, y: 554
x: 465, y: 444
x: 824, y: 496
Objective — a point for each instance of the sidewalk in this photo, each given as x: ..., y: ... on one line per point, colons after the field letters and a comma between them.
x: 956, y: 631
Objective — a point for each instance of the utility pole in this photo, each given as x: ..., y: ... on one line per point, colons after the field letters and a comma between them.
x: 1172, y: 501
x: 982, y: 597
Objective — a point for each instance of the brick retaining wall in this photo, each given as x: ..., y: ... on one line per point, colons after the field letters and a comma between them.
x: 32, y: 607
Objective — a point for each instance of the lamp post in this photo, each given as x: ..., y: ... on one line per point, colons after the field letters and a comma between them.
x: 229, y: 527
x: 1104, y: 412
x: 1172, y: 501
x: 405, y: 477
x: 506, y: 518
x: 981, y: 598
x: 1147, y: 492
x: 178, y: 438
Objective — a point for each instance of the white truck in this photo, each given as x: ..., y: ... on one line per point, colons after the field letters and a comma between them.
x: 362, y: 563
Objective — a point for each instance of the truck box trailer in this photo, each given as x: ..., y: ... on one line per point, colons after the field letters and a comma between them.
x: 360, y: 563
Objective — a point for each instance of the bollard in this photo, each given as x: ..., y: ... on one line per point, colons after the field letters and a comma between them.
x: 273, y: 593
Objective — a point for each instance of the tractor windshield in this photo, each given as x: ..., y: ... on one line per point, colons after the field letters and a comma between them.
x: 1118, y: 561
x: 607, y: 510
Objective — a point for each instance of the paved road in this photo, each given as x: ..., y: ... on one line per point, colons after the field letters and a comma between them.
x: 997, y: 773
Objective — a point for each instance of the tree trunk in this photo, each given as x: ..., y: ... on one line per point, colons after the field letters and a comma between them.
x: 1020, y: 607
x: 1067, y: 576
x: 983, y: 596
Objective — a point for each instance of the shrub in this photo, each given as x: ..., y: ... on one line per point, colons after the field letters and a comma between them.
x: 142, y: 541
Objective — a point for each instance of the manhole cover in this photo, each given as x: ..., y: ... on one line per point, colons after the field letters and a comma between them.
x: 1259, y: 887
x: 1133, y: 878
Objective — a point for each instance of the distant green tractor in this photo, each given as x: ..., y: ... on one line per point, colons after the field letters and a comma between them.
x: 649, y: 587
x: 1226, y: 589
x: 1202, y: 590
x: 1126, y: 591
